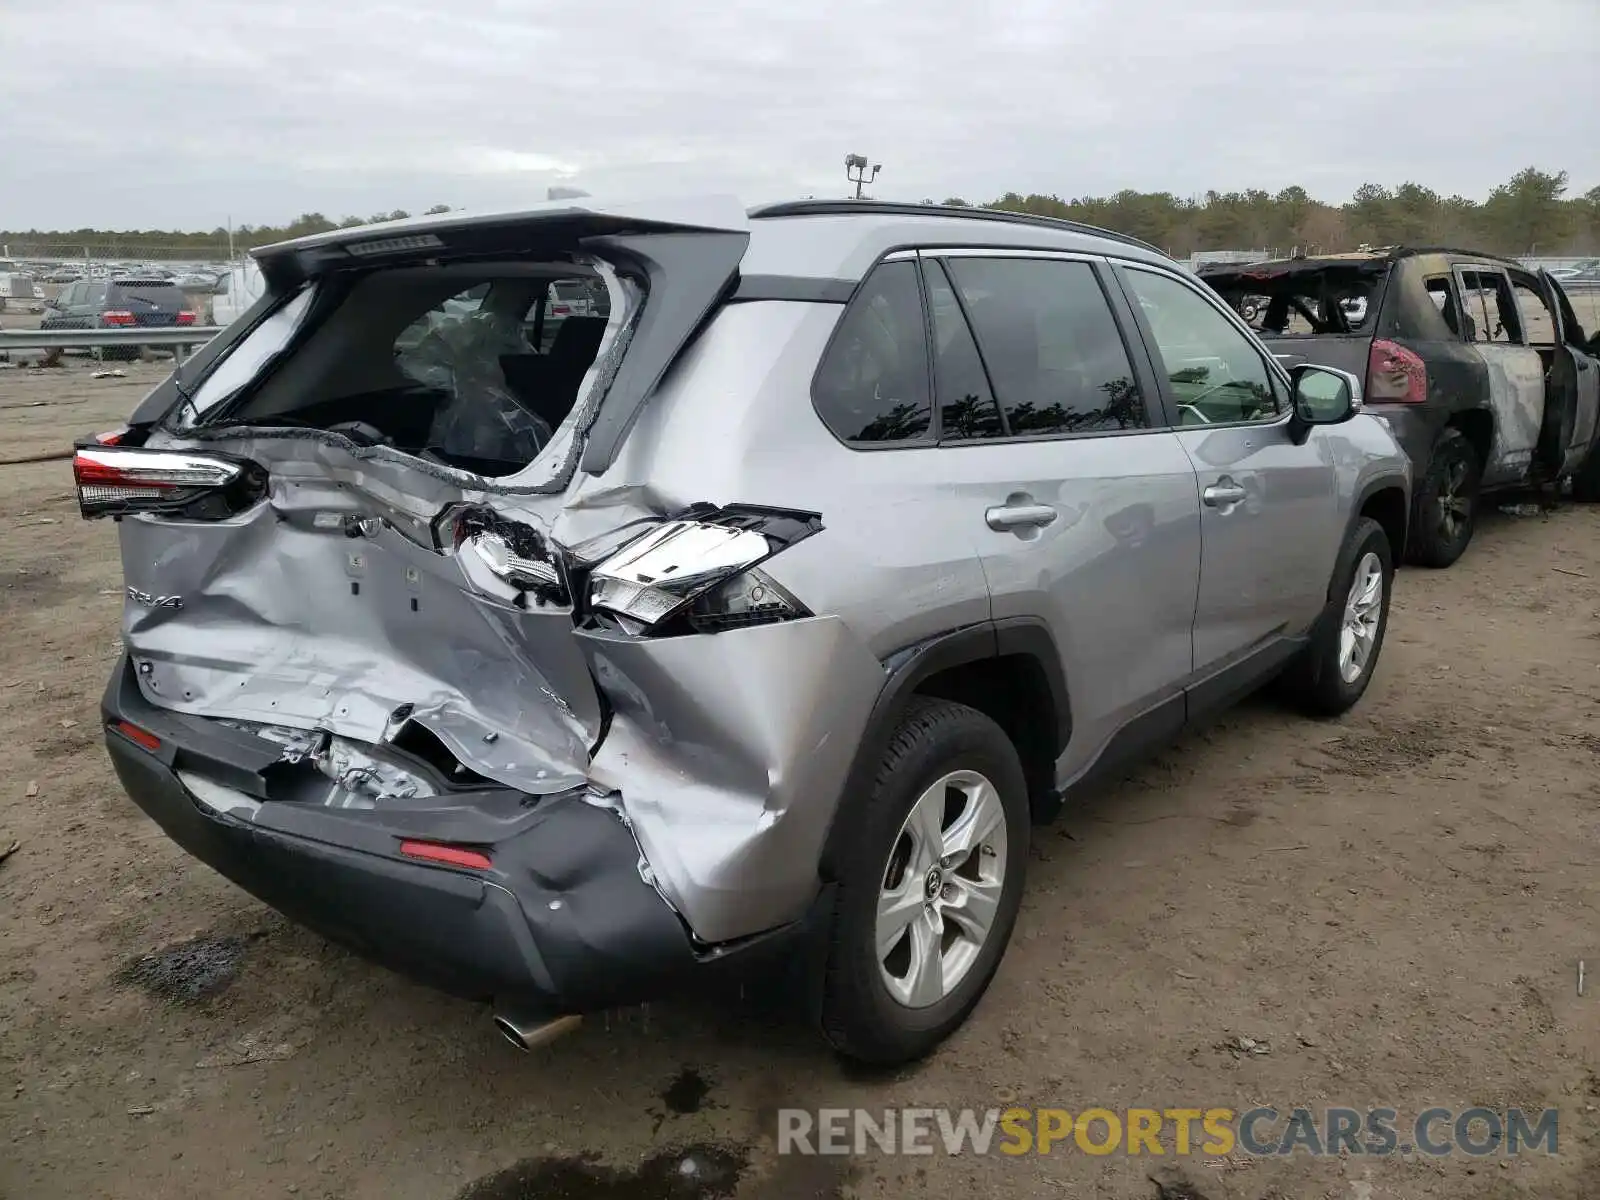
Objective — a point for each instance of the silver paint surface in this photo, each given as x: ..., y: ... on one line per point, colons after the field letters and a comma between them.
x: 727, y: 753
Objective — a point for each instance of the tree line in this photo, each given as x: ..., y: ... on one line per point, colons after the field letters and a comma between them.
x: 1530, y: 214
x: 180, y: 244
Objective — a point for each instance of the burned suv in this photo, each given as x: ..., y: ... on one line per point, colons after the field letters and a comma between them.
x: 1477, y: 363
x: 755, y: 619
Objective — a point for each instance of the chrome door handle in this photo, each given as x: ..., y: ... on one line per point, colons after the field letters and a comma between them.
x: 1018, y: 516
x: 1220, y: 495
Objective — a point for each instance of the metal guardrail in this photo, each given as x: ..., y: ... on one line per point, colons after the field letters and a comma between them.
x: 181, y: 338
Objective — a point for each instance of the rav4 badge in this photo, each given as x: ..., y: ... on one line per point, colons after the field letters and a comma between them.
x: 149, y: 601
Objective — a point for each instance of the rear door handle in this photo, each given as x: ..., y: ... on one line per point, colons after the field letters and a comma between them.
x: 1223, y: 493
x: 1019, y: 516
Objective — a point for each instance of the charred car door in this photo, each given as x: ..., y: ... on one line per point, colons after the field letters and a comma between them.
x: 1516, y: 372
x: 1572, y: 382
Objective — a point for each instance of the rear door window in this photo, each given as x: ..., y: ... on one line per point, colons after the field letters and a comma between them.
x: 872, y: 387
x: 967, y: 407
x: 1491, y: 312
x: 1051, y: 346
x: 1539, y: 327
x: 1442, y: 291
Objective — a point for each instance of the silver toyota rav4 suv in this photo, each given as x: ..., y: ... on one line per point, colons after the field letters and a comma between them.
x: 756, y: 620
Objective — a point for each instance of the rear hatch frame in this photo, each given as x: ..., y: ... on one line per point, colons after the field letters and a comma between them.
x: 317, y: 604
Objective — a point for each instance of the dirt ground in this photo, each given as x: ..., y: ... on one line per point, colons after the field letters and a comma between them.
x: 1394, y: 903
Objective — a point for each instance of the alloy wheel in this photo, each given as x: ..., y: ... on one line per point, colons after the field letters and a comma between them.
x: 1362, y: 610
x: 941, y: 888
x: 1455, y: 506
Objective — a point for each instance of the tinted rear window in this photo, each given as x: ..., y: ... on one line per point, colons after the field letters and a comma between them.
x: 155, y: 293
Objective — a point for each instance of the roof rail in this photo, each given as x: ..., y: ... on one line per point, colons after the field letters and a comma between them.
x: 891, y: 208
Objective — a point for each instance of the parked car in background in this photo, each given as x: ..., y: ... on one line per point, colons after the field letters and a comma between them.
x: 879, y: 528
x: 1586, y: 267
x: 18, y: 292
x: 1478, y: 364
x: 236, y: 290
x: 123, y: 303
x: 1584, y: 278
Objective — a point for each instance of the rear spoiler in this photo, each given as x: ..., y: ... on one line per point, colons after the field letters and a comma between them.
x: 525, y: 231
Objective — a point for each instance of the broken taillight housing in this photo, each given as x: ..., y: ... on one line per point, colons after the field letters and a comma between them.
x: 114, y: 480
x: 516, y: 556
x: 1395, y: 375
x: 699, y: 572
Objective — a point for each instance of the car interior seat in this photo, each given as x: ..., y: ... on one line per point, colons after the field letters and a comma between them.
x: 547, y: 384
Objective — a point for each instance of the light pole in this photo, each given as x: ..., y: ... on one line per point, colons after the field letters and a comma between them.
x: 855, y: 170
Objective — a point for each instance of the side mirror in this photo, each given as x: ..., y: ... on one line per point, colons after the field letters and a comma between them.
x: 1323, y: 396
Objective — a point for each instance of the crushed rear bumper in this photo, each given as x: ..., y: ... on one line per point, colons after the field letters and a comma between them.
x: 563, y: 920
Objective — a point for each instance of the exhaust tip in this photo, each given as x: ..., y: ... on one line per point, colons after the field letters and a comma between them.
x: 527, y: 1032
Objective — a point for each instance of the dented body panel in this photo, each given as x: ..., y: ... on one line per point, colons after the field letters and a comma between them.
x: 728, y: 755
x: 288, y: 620
x: 389, y: 644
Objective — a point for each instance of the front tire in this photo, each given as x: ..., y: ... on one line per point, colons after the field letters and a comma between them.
x: 1333, y: 671
x: 1447, y: 502
x: 929, y: 886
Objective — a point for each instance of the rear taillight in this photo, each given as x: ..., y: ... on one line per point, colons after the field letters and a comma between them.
x: 561, y: 310
x: 113, y: 480
x: 1395, y: 375
x: 185, y: 317
x: 116, y: 316
x: 503, y: 557
x: 698, y: 573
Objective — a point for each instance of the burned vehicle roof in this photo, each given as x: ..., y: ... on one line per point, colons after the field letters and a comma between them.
x: 1354, y: 263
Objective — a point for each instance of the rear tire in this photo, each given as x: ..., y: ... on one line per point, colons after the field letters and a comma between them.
x: 1586, y: 479
x: 1332, y: 673
x: 1447, y: 502
x: 955, y: 767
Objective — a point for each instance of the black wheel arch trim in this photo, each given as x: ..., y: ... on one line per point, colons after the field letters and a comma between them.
x: 910, y: 666
x: 1371, y: 488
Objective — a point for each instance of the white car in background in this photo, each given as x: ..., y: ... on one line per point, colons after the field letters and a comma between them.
x: 1586, y: 267
x: 237, y: 289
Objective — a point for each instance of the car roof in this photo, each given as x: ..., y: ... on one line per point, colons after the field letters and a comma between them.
x: 802, y: 237
x: 839, y: 239
x: 1358, y: 259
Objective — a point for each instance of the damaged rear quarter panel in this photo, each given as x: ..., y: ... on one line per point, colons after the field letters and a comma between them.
x: 729, y: 752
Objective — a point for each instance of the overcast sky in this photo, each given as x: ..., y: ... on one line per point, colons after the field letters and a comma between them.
x: 184, y: 113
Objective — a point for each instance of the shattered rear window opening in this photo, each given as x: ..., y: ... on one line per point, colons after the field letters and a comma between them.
x: 1306, y: 301
x: 469, y: 367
